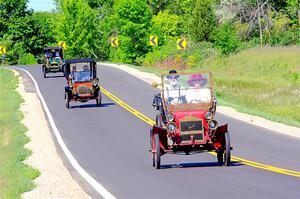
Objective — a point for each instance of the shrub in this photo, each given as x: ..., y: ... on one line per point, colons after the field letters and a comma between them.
x: 226, y: 39
x: 27, y: 59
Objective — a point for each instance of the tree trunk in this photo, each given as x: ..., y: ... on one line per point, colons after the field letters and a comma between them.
x: 299, y: 12
x: 259, y: 23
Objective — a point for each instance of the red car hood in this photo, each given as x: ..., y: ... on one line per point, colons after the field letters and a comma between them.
x: 178, y: 115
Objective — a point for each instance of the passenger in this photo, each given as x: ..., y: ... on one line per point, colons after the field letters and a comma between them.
x: 198, y: 92
x: 174, y: 93
x: 85, y: 68
x: 74, y: 74
x: 57, y: 55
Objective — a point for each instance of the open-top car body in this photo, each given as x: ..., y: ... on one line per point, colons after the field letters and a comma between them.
x: 54, y: 60
x: 185, y: 122
x: 82, y: 81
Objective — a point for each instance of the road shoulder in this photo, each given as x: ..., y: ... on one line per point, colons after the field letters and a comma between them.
x: 55, y: 180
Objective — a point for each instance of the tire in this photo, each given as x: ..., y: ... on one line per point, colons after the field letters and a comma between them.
x: 151, y: 148
x: 98, y: 100
x: 157, y: 154
x: 67, y: 100
x: 220, y: 155
x: 45, y: 72
x: 158, y: 120
x: 227, y: 154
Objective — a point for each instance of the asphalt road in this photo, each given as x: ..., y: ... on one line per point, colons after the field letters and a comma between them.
x: 112, y: 145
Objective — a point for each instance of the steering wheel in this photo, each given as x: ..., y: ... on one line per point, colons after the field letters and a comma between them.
x: 181, y: 99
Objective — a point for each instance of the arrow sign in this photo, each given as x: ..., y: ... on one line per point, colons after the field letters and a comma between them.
x: 153, y: 40
x: 2, y: 50
x: 114, y: 41
x: 62, y: 44
x: 181, y: 44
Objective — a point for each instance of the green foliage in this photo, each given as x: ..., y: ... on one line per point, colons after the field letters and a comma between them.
x: 11, y: 10
x: 282, y: 33
x: 77, y: 28
x: 27, y: 59
x: 167, y: 23
x: 203, y: 21
x: 226, y: 39
x: 181, y: 7
x: 15, y: 177
x: 131, y: 21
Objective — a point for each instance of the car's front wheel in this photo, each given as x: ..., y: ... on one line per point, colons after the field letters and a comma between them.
x: 98, y: 99
x: 227, y: 154
x: 67, y: 100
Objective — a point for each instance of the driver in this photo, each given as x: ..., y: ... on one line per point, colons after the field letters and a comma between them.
x: 198, y: 92
x: 174, y: 93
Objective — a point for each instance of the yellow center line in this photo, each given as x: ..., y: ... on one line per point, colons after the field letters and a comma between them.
x: 234, y: 158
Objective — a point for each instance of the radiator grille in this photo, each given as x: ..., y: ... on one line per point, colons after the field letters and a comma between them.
x: 83, y: 90
x: 191, y: 126
x: 187, y: 137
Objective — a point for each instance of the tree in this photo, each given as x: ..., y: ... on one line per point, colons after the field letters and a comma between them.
x: 77, y: 27
x: 131, y: 21
x: 10, y: 11
x: 203, y: 20
x: 226, y: 39
x: 167, y: 23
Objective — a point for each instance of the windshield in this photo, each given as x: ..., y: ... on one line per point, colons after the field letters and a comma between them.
x: 80, y: 72
x: 187, y: 88
x: 81, y: 76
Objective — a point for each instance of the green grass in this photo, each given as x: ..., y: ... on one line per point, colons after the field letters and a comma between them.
x: 258, y: 81
x: 15, y: 177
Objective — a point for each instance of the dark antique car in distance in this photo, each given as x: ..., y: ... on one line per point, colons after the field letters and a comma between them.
x: 82, y: 81
x: 54, y: 60
x: 185, y: 122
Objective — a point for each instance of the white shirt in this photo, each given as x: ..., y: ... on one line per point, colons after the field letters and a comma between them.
x: 174, y: 93
x: 198, y: 95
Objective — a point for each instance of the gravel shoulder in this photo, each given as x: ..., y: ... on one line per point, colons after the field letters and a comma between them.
x: 228, y: 111
x: 55, y: 181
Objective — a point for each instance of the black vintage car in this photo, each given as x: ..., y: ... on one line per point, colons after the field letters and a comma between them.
x: 54, y: 60
x: 82, y: 81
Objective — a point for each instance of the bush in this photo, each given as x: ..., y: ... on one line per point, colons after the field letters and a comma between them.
x: 226, y: 39
x: 27, y: 59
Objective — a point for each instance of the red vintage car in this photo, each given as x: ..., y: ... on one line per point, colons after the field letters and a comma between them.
x: 185, y: 122
x: 82, y: 81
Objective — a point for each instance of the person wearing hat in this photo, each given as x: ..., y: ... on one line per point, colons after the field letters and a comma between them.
x: 174, y: 93
x: 198, y: 92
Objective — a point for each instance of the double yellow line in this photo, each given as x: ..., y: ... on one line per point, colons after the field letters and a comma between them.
x: 234, y: 158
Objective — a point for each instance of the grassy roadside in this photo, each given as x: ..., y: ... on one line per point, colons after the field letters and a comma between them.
x: 15, y: 176
x: 260, y: 81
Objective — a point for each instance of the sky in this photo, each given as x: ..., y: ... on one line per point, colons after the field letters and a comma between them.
x: 41, y: 5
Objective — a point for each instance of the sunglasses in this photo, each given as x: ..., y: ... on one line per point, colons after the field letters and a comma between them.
x: 173, y: 77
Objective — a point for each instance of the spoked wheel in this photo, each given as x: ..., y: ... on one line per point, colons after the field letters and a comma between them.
x: 45, y: 73
x: 227, y: 154
x: 151, y: 147
x: 158, y: 120
x: 157, y: 154
x: 67, y: 100
x: 220, y: 155
x: 98, y: 99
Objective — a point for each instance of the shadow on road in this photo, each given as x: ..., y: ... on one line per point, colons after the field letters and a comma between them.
x: 54, y: 76
x: 198, y: 164
x: 103, y: 105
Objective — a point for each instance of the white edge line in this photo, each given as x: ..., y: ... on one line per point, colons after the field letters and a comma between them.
x: 96, y: 185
